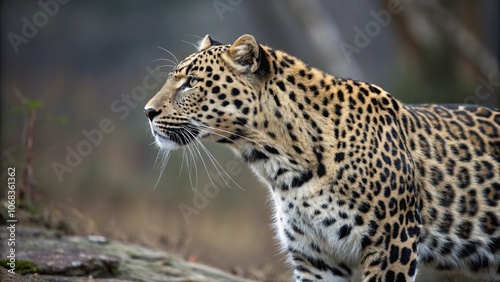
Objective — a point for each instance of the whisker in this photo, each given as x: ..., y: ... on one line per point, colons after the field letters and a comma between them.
x: 157, y: 157
x: 191, y: 43
x: 186, y: 153
x: 228, y: 132
x: 201, y: 157
x: 194, y: 35
x: 176, y: 60
x: 212, y: 159
x: 182, y: 163
x: 165, y: 59
x: 191, y: 154
x: 193, y: 158
x: 198, y: 142
x: 217, y: 164
x: 188, y: 166
x: 254, y: 129
x: 222, y: 136
x: 165, y: 157
x: 161, y: 66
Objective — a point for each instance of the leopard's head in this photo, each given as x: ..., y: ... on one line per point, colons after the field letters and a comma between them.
x: 213, y: 92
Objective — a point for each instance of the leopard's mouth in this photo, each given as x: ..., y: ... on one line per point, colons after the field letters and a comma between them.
x: 178, y: 136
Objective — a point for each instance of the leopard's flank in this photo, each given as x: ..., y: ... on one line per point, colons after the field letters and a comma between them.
x: 360, y: 181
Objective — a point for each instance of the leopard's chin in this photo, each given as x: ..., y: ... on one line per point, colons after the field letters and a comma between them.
x: 164, y: 143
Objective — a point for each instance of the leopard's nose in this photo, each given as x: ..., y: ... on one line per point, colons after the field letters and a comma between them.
x: 151, y: 113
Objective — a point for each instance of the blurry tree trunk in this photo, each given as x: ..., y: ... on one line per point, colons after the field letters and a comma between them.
x: 426, y: 25
x: 460, y: 32
x: 28, y: 182
x: 323, y: 33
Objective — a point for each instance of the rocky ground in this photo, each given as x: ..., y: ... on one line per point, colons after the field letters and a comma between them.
x: 95, y: 258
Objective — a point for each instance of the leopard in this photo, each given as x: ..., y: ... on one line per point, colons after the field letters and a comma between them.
x: 361, y: 183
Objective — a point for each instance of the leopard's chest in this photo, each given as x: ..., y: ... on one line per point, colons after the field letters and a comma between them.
x: 308, y: 217
x: 318, y: 228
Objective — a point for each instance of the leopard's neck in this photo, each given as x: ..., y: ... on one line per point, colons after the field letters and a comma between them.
x: 303, y: 114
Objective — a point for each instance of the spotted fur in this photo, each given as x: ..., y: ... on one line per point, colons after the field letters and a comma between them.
x: 360, y: 181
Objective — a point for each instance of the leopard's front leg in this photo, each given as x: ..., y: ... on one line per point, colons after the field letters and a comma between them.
x: 388, y: 259
x: 309, y: 261
x: 308, y: 269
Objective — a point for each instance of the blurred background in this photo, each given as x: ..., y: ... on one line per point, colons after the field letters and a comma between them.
x: 75, y: 76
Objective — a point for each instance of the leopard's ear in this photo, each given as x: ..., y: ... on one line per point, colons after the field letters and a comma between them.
x: 244, y: 54
x: 207, y: 42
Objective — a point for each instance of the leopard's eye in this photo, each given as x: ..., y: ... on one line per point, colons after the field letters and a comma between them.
x: 190, y: 82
